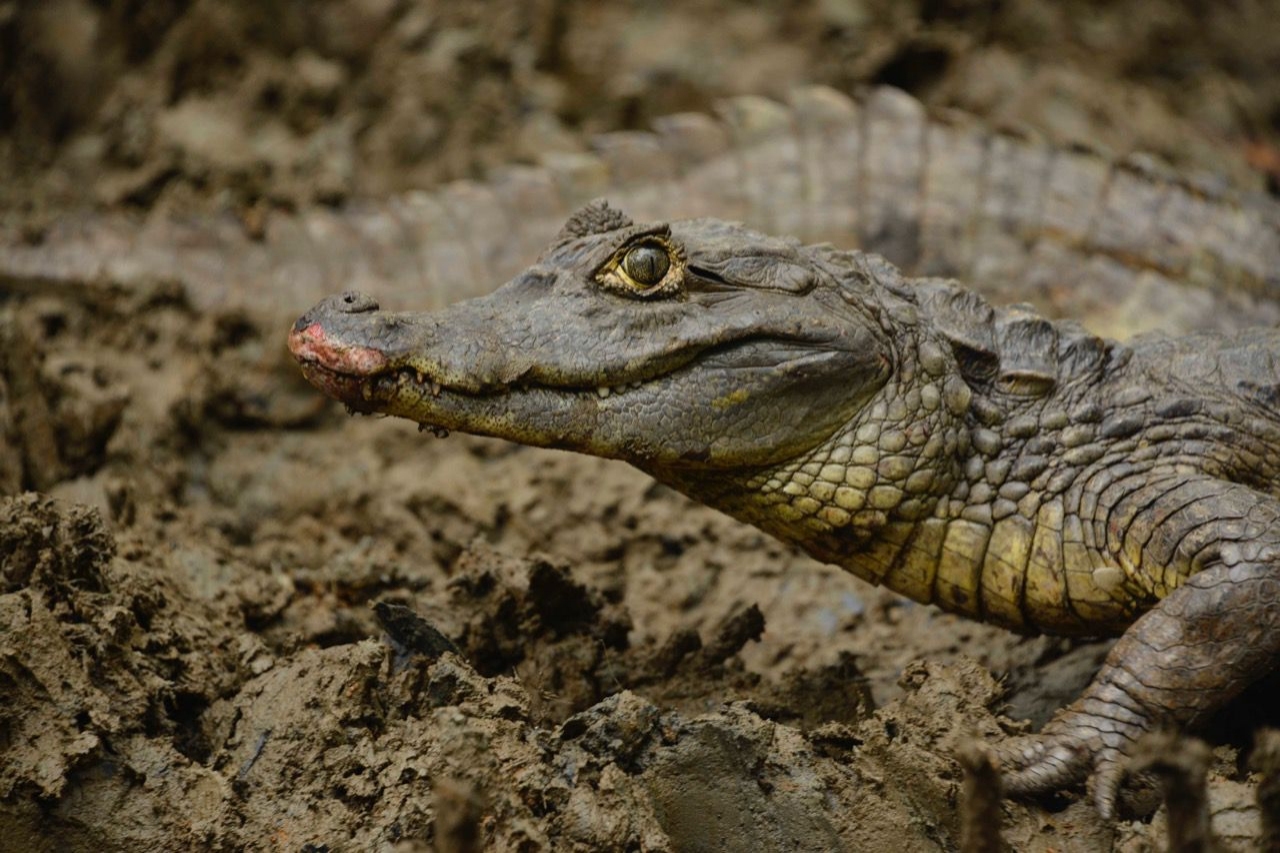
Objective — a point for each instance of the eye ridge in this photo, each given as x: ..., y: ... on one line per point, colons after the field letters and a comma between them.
x: 647, y: 263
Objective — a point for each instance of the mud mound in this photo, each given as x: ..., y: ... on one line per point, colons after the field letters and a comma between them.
x: 155, y: 718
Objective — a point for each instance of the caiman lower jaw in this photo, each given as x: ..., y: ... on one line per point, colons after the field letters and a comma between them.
x: 656, y: 372
x: 397, y: 380
x: 371, y: 392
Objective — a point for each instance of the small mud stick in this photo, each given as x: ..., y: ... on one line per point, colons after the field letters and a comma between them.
x: 459, y: 815
x: 1265, y: 760
x: 1001, y: 465
x: 981, y: 812
x: 1181, y: 765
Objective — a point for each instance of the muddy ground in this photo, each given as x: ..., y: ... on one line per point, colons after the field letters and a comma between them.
x: 192, y: 542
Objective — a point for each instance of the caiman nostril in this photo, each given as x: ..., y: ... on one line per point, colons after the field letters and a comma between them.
x: 355, y: 303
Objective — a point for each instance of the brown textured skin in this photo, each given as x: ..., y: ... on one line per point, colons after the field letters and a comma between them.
x: 1015, y: 470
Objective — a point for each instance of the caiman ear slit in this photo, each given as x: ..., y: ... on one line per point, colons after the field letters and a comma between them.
x: 595, y: 217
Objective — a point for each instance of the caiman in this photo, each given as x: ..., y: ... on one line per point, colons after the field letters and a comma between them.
x: 1000, y: 465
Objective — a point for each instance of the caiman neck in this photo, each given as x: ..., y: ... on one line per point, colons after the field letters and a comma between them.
x: 891, y: 462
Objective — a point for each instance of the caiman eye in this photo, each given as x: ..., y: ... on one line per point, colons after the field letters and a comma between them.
x: 646, y: 264
x: 652, y: 267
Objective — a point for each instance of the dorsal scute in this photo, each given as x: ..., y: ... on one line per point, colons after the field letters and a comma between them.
x: 966, y: 320
x: 1028, y: 348
x: 1011, y: 351
x: 1080, y: 352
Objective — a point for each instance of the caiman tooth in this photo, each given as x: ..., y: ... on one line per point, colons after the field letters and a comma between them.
x: 603, y: 391
x: 351, y: 410
x: 435, y: 389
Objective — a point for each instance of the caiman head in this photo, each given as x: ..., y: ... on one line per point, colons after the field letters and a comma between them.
x: 693, y: 344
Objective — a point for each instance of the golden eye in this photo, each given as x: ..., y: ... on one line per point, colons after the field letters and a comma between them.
x: 646, y: 264
x: 650, y: 267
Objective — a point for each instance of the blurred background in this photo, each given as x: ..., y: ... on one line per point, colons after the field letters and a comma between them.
x: 216, y: 104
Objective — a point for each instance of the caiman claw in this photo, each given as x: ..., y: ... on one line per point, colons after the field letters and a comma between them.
x: 1068, y: 752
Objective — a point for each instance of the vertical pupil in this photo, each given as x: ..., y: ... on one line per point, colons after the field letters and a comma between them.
x: 647, y: 264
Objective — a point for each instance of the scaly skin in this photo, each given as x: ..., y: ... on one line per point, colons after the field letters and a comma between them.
x: 993, y: 463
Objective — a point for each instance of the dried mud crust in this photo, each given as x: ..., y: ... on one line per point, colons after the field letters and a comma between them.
x: 145, y: 715
x: 193, y: 659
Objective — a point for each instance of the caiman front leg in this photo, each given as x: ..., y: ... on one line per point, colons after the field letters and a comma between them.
x: 1189, y: 655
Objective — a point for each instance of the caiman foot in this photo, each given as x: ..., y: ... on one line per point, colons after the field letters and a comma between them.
x: 1074, y: 747
x: 1177, y: 664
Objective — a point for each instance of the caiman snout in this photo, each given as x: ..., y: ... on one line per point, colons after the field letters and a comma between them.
x: 349, y: 302
x: 354, y: 303
x: 323, y: 336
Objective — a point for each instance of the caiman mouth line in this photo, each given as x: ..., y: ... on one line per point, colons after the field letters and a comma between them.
x: 392, y: 379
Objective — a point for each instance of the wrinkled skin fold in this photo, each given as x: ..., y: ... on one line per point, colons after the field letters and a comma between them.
x: 989, y: 461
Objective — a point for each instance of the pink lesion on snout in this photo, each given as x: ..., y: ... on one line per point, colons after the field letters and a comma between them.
x: 311, y: 344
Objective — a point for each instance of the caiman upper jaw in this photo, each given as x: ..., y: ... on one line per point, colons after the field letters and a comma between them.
x: 353, y: 350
